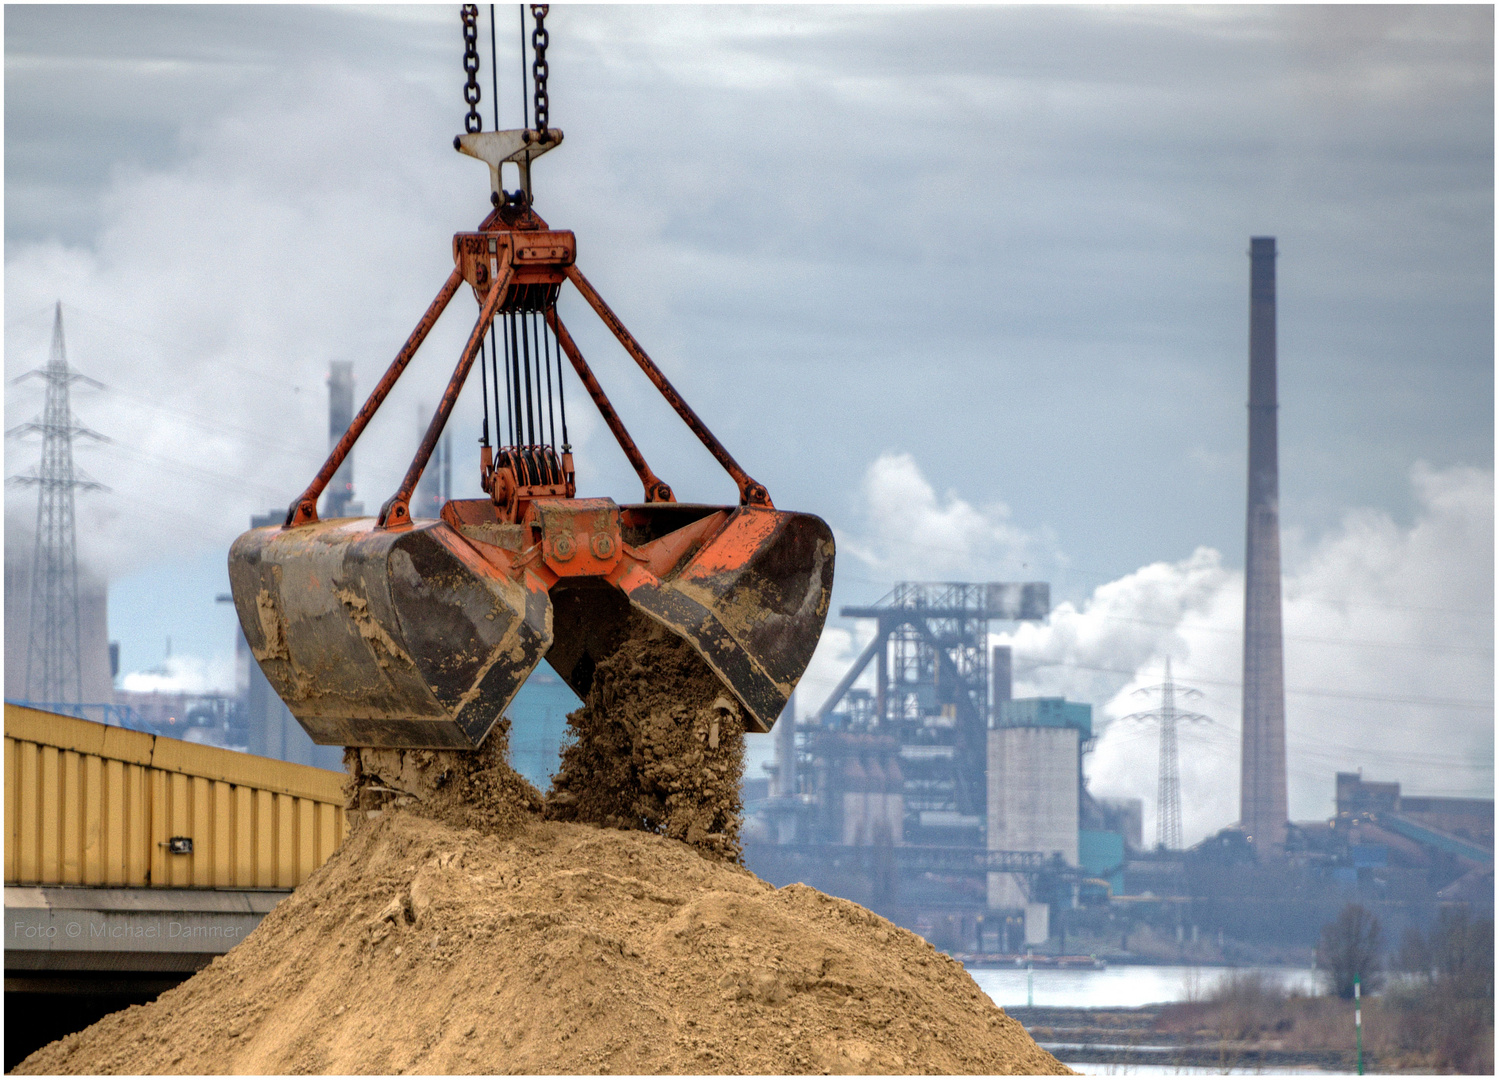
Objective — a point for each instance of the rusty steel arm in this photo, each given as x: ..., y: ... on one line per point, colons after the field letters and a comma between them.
x: 656, y: 490
x: 751, y: 493
x: 304, y: 510
x: 397, y: 509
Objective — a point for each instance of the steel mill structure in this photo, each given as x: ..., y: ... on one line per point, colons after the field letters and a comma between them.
x: 931, y: 699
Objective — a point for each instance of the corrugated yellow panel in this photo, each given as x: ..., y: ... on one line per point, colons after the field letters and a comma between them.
x: 306, y: 839
x: 223, y: 832
x: 265, y: 839
x: 327, y: 831
x: 173, y: 755
x: 12, y: 811
x: 286, y: 841
x: 244, y: 836
x: 137, y: 826
x: 70, y: 796
x: 180, y: 801
x: 218, y: 764
x: 51, y: 817
x: 82, y: 736
x: 200, y: 828
x: 93, y: 819
x: 28, y: 817
x: 113, y: 832
x: 159, y: 824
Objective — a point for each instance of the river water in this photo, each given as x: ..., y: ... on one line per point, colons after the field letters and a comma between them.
x: 1124, y: 985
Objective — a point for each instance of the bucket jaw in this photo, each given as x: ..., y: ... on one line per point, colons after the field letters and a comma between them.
x: 421, y: 637
x: 386, y: 638
x: 750, y: 601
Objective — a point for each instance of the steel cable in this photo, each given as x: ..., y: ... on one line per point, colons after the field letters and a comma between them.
x: 525, y: 104
x: 544, y: 361
x: 484, y: 396
x: 494, y: 73
x: 495, y: 348
x: 561, y: 396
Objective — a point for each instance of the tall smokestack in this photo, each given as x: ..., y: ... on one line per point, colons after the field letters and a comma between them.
x: 1000, y: 677
x: 1262, y: 792
x: 434, y: 488
x: 340, y: 416
x: 785, y: 747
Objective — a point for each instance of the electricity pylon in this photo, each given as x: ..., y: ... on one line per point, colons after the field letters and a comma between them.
x: 1168, y: 820
x: 54, y: 668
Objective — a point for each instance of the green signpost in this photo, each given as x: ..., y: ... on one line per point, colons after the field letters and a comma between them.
x: 1358, y: 1023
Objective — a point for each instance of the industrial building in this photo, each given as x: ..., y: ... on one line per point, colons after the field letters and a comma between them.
x: 935, y: 795
x: 1036, y: 748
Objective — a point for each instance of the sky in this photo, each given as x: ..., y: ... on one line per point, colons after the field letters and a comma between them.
x: 971, y: 283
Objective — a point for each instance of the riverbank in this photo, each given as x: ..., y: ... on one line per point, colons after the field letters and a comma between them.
x: 1137, y: 1037
x: 1249, y: 1025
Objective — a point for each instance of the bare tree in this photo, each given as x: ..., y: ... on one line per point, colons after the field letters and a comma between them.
x: 1351, y: 945
x: 1462, y: 951
x: 1415, y: 956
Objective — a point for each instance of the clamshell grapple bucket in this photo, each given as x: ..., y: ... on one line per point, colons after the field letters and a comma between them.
x: 400, y: 632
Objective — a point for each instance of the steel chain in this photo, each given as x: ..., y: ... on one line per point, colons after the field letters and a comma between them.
x: 472, y: 122
x: 539, y: 41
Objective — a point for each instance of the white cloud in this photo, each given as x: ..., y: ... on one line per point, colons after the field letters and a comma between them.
x: 910, y: 533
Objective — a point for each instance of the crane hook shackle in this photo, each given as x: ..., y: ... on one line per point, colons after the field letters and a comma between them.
x: 495, y: 148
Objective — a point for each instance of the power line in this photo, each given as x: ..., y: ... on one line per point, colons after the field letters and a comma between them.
x: 1108, y: 577
x: 1235, y: 631
x: 1448, y: 703
x: 1168, y: 789
x: 54, y: 654
x: 257, y: 375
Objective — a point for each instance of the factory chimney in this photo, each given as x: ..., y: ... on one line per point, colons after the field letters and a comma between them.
x: 435, y: 487
x: 1001, y: 682
x: 1262, y: 792
x: 337, y: 503
x: 785, y: 747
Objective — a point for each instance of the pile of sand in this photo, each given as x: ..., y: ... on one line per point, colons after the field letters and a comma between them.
x: 523, y: 945
x: 559, y: 948
x: 458, y: 930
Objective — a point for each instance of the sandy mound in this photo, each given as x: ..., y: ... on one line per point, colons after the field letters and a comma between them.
x: 538, y: 946
x: 458, y: 931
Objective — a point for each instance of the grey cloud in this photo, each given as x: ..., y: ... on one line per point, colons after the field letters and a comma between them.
x: 1008, y: 241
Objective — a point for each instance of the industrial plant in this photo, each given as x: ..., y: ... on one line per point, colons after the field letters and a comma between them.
x: 940, y: 800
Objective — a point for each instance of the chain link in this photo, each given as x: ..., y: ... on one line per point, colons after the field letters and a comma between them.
x: 472, y: 122
x: 539, y: 70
